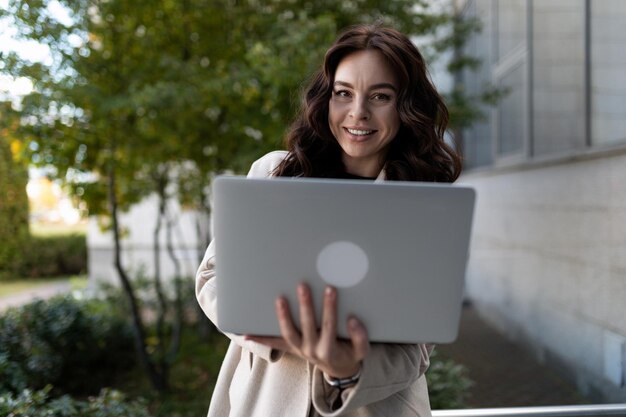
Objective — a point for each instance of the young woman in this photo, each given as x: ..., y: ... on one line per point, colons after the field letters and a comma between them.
x: 371, y: 112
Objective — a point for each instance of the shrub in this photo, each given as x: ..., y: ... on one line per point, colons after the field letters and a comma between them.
x: 77, y: 346
x: 109, y: 403
x: 49, y: 256
x: 448, y: 383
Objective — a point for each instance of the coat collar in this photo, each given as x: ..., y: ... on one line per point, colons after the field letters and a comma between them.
x: 381, y: 176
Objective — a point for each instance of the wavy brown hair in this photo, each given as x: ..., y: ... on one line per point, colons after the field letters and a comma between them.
x: 417, y: 153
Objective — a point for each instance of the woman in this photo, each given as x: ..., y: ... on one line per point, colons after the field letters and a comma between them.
x: 371, y: 112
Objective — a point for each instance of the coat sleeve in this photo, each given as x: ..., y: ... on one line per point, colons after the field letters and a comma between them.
x: 388, y: 369
x: 206, y: 280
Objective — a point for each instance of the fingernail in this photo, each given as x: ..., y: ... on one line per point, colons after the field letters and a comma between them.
x: 353, y: 323
x: 329, y: 290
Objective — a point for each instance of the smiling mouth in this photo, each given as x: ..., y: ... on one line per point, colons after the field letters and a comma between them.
x: 359, y: 132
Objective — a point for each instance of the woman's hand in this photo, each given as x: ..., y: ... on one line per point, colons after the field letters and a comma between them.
x: 337, y: 358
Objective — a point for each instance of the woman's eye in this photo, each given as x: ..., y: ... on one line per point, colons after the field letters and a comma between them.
x: 381, y: 97
x: 341, y: 93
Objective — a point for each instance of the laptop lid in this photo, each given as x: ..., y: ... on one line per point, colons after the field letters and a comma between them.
x: 395, y: 251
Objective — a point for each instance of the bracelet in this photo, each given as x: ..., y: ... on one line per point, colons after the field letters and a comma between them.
x: 342, y: 382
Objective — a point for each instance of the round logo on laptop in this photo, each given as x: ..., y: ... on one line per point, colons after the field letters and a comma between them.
x: 342, y: 264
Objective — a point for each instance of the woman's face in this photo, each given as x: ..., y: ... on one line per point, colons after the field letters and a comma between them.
x: 362, y: 113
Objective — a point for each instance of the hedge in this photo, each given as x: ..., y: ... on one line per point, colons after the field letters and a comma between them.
x: 77, y: 346
x: 53, y: 256
x: 108, y: 403
x: 48, y: 256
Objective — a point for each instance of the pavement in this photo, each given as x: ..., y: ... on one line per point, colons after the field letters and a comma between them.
x: 504, y: 374
x: 40, y: 292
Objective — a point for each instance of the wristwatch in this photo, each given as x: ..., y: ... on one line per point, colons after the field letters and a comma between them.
x: 342, y: 383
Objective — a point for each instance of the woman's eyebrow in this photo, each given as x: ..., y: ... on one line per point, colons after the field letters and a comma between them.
x: 372, y: 87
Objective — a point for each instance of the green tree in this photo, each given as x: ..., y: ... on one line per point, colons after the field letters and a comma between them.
x: 14, y: 229
x: 140, y: 95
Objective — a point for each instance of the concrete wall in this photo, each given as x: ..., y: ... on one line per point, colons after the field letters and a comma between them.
x: 548, y: 264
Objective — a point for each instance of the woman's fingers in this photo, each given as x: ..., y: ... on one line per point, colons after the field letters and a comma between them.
x: 285, y: 322
x: 359, y: 338
x: 328, y: 331
x: 320, y: 346
x: 308, y: 325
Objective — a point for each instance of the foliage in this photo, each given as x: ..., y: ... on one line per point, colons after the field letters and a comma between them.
x: 30, y: 360
x: 193, y: 378
x: 193, y: 373
x: 51, y: 256
x: 448, y: 383
x: 148, y: 303
x: 143, y: 84
x: 137, y: 95
x: 13, y: 200
x: 77, y: 346
x: 113, y: 295
x: 109, y: 403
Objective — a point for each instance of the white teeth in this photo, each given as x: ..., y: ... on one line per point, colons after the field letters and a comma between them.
x: 359, y: 132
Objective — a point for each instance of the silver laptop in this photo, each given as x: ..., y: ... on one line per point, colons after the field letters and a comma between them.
x: 395, y: 251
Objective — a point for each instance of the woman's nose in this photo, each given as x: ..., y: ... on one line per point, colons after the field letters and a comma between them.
x: 359, y: 110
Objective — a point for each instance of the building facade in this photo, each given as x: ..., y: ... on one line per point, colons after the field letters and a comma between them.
x: 548, y: 257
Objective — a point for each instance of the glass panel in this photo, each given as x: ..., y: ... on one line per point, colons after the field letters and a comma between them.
x: 477, y: 139
x: 608, y: 72
x: 511, y: 26
x: 558, y: 76
x: 511, y: 114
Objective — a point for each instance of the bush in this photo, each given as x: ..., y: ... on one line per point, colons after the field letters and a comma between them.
x: 448, y: 383
x: 37, y: 404
x: 51, y: 256
x: 77, y: 346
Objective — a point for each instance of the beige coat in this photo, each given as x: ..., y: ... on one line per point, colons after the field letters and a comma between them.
x: 256, y: 381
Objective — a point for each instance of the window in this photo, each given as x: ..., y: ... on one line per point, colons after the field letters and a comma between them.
x: 511, y: 113
x: 563, y: 63
x: 608, y: 72
x: 558, y: 77
x: 510, y: 73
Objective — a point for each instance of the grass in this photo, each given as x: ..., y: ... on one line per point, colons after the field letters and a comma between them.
x: 17, y: 286
x: 57, y: 229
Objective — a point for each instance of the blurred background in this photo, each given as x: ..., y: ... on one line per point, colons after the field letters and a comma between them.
x: 115, y: 115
